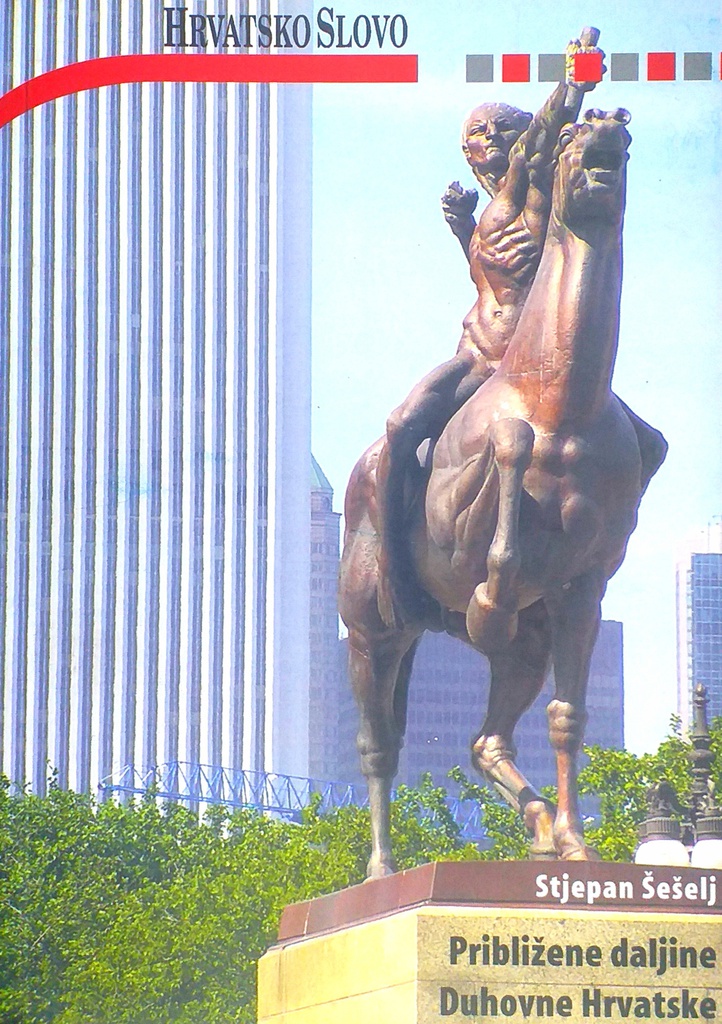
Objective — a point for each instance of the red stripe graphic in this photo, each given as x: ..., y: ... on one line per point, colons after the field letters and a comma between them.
x: 205, y: 67
x: 661, y: 67
x: 515, y: 67
x: 588, y: 67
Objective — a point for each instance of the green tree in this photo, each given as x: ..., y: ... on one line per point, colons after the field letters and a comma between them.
x: 140, y: 914
x: 506, y: 837
x: 620, y: 780
x: 66, y: 867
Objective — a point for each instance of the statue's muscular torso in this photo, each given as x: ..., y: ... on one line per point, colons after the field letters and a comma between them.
x: 504, y: 255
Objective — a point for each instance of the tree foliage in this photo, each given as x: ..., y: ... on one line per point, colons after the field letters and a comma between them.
x: 620, y: 779
x: 139, y: 913
x: 506, y: 837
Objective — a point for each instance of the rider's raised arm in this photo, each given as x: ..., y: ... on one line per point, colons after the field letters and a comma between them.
x: 533, y: 152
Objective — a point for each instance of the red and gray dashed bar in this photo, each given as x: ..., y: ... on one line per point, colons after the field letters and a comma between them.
x: 623, y: 67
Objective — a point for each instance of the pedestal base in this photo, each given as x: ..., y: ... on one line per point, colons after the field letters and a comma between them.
x: 479, y: 956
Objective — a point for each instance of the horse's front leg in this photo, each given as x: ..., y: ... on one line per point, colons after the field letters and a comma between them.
x: 517, y: 676
x: 575, y: 614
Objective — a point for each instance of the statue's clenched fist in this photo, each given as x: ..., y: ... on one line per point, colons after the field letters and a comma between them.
x: 458, y: 204
x: 587, y: 43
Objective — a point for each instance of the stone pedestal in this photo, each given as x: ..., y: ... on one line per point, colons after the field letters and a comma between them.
x: 514, y: 942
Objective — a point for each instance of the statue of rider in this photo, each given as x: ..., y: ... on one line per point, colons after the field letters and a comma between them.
x: 512, y: 156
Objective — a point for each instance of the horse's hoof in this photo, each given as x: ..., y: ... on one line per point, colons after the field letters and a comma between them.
x: 380, y: 868
x: 574, y: 848
x: 490, y: 626
x: 539, y: 820
x: 538, y: 852
x: 585, y: 853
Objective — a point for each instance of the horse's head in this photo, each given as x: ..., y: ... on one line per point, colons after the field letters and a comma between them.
x: 591, y: 175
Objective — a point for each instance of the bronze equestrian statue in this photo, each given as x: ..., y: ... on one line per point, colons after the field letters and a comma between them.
x: 512, y: 157
x: 530, y: 496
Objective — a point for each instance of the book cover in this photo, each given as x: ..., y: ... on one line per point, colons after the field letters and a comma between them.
x: 202, y: 259
x: 222, y: 247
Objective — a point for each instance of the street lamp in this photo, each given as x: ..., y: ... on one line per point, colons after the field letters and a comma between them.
x: 660, y: 834
x: 706, y: 815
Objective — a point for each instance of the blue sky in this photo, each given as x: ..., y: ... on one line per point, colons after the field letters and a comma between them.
x: 391, y: 284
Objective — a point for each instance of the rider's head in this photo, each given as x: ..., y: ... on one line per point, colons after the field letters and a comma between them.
x: 487, y: 136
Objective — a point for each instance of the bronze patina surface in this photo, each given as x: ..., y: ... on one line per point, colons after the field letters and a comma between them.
x: 507, y: 535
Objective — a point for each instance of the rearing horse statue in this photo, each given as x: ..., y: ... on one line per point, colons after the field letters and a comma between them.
x: 531, y: 498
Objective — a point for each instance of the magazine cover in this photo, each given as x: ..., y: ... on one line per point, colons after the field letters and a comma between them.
x: 231, y: 244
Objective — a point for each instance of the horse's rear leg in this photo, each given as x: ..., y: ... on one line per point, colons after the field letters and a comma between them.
x: 491, y: 617
x: 575, y: 614
x: 517, y: 676
x: 380, y: 669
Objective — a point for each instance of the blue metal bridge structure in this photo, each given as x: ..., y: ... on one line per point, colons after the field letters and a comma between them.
x: 267, y: 792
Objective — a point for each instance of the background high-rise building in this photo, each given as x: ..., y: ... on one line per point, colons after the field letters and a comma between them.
x: 326, y: 696
x: 154, y: 412
x: 699, y: 620
x: 448, y: 696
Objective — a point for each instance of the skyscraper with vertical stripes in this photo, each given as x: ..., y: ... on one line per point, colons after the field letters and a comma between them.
x: 328, y: 670
x: 154, y: 412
